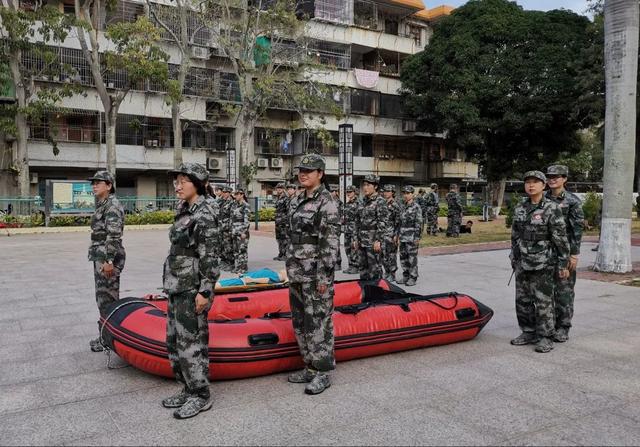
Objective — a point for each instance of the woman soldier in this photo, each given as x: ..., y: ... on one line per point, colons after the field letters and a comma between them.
x: 313, y: 250
x: 410, y: 231
x: 106, y: 250
x: 240, y: 231
x: 190, y: 272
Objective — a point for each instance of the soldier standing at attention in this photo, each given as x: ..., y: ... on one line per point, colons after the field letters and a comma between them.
x: 335, y: 193
x: 410, y: 233
x: 539, y: 251
x: 571, y: 207
x: 282, y: 211
x: 391, y: 239
x: 433, y: 208
x: 351, y: 209
x: 228, y: 260
x: 421, y: 200
x: 240, y: 231
x: 372, y: 225
x: 290, y: 193
x: 314, y: 223
x: 454, y: 212
x: 106, y: 250
x: 190, y: 273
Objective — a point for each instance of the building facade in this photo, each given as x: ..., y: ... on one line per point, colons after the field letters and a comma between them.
x: 360, y: 46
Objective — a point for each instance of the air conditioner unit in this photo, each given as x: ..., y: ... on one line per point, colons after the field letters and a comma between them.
x: 408, y: 126
x: 33, y: 178
x: 263, y: 162
x: 276, y: 162
x: 200, y: 52
x: 110, y: 85
x: 213, y: 164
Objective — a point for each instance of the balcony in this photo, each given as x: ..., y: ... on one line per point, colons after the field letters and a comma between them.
x: 453, y: 169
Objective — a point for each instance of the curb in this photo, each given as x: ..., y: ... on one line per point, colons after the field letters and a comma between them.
x: 83, y: 229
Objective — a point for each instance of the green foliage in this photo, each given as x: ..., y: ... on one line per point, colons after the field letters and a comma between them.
x: 591, y: 207
x: 248, y: 172
x: 150, y: 218
x: 510, y: 87
x: 515, y: 200
x: 266, y: 214
x: 586, y: 165
x: 69, y: 221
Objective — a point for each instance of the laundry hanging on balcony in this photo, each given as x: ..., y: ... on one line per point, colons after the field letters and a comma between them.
x: 367, y: 78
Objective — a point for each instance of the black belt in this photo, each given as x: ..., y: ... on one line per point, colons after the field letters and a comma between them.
x: 181, y: 251
x: 300, y: 239
x: 534, y: 237
x: 98, y: 237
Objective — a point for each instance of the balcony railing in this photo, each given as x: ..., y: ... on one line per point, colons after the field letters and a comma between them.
x: 71, y: 134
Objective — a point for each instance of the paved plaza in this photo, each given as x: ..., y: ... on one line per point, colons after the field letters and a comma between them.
x: 53, y: 390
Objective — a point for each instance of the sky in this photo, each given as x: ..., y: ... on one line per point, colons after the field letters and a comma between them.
x: 578, y: 6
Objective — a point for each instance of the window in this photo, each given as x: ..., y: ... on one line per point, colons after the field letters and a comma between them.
x: 364, y: 102
x: 451, y: 153
x: 435, y: 152
x: 390, y: 106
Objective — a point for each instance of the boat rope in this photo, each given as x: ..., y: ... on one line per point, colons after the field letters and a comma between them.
x: 106, y: 349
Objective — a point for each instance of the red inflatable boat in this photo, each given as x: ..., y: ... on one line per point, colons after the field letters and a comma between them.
x: 250, y: 334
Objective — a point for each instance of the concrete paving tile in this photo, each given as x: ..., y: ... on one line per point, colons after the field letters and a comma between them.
x: 55, y: 425
x: 13, y: 372
x: 603, y: 428
x: 65, y: 320
x: 630, y: 409
x: 20, y: 397
x: 543, y: 437
x: 16, y: 353
x: 20, y: 314
x: 26, y: 336
x: 603, y: 380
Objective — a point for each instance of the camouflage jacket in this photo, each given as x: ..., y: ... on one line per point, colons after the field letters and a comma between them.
x: 454, y: 203
x: 282, y: 209
x: 107, y: 226
x: 192, y: 264
x: 433, y: 201
x: 410, y: 222
x: 394, y: 219
x: 314, y: 244
x: 571, y: 207
x: 240, y: 218
x: 351, y: 210
x: 225, y: 213
x: 341, y: 214
x: 372, y: 223
x: 422, y: 203
x: 538, y: 236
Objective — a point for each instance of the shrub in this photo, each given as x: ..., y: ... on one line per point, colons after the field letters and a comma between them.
x: 591, y: 208
x: 515, y: 200
x: 69, y: 221
x: 266, y: 214
x: 150, y: 218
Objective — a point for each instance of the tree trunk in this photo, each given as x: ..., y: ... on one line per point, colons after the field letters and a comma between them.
x: 621, y: 70
x: 496, y: 196
x: 177, y: 134
x: 21, y: 158
x: 110, y: 118
x: 247, y: 124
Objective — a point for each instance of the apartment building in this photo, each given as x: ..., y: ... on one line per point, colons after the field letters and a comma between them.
x: 360, y: 45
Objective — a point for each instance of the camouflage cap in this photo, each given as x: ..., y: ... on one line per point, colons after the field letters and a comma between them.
x: 195, y: 170
x: 408, y: 188
x: 291, y: 186
x: 389, y: 188
x: 558, y: 170
x: 434, y: 186
x: 280, y: 185
x: 239, y: 191
x: 104, y: 176
x: 334, y: 188
x: 352, y: 188
x: 227, y: 189
x: 535, y: 174
x: 370, y: 178
x: 312, y: 161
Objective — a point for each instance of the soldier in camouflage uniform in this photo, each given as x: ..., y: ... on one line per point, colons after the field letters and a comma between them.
x: 335, y: 193
x: 391, y: 239
x: 571, y: 207
x: 240, y: 231
x: 282, y: 211
x: 190, y: 273
x: 539, y: 252
x: 454, y: 212
x: 410, y: 231
x: 433, y: 208
x: 421, y: 200
x: 372, y: 225
x: 227, y: 257
x: 314, y: 223
x: 106, y: 250
x: 351, y: 209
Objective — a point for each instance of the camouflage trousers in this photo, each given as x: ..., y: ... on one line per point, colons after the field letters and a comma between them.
x: 390, y: 257
x: 311, y: 315
x: 188, y: 343
x: 281, y: 238
x: 432, y: 222
x: 352, y: 254
x: 227, y: 255
x: 241, y: 252
x: 107, y: 289
x: 454, y: 220
x: 563, y: 300
x: 370, y: 264
x: 534, y: 301
x: 409, y: 260
x: 339, y: 257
